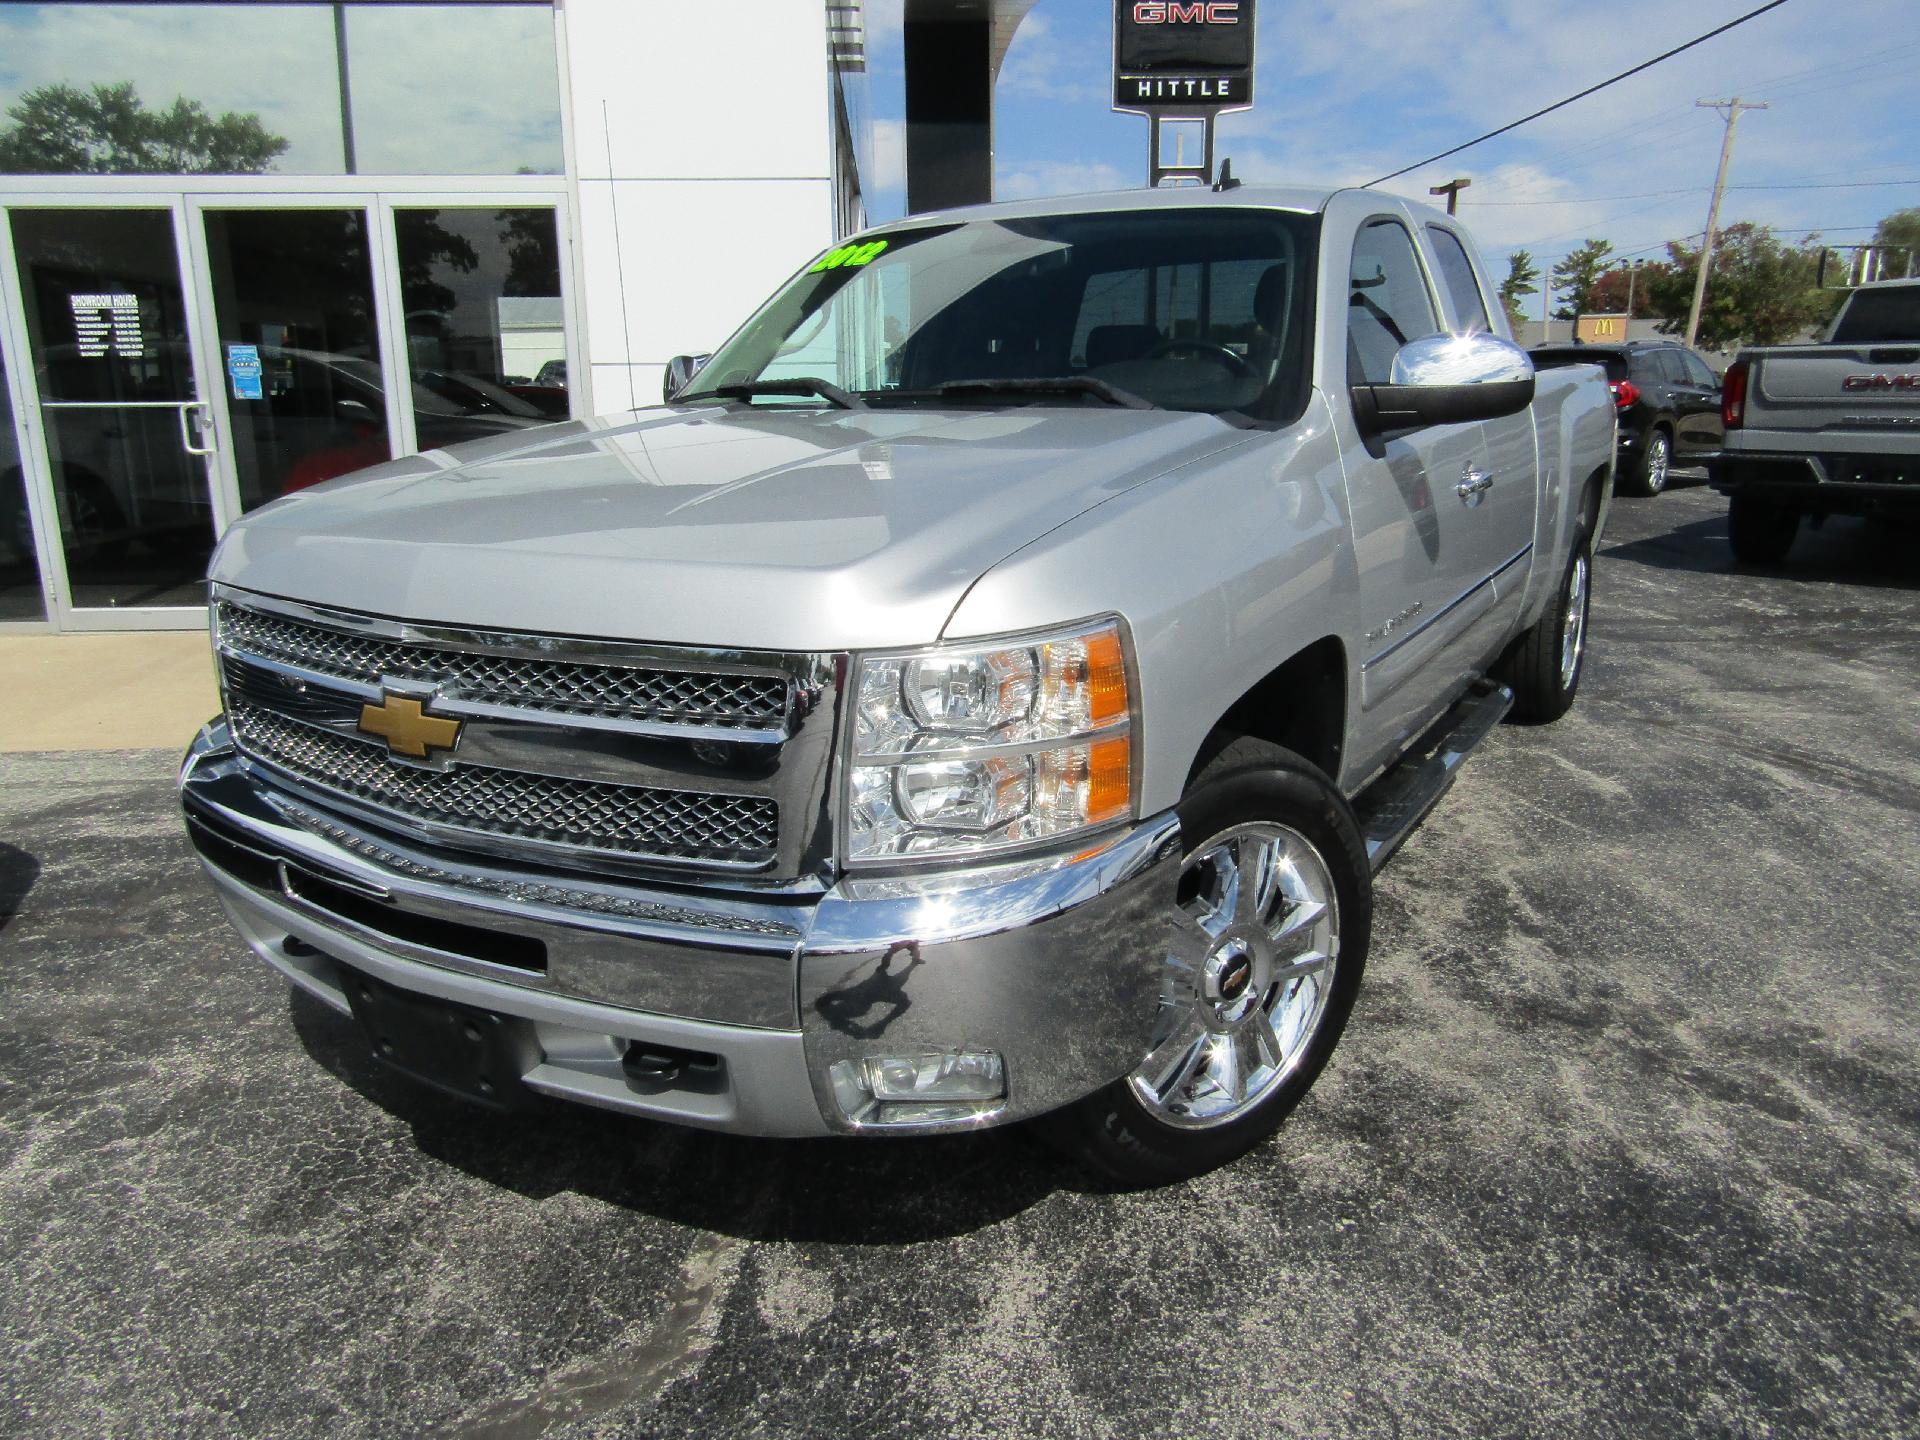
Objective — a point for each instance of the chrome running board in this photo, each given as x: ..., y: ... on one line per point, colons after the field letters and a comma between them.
x: 1392, y: 805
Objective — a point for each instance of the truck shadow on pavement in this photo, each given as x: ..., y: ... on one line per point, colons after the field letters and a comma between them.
x: 1845, y: 549
x: 18, y: 872
x: 849, y: 1192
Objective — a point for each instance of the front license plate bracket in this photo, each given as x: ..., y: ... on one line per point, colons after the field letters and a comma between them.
x: 459, y: 1050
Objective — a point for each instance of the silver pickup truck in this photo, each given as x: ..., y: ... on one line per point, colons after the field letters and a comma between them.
x: 983, y: 690
x: 1827, y: 429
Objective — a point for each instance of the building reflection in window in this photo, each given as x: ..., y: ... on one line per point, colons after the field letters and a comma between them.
x: 295, y: 89
x: 293, y: 290
x: 485, y: 335
x: 20, y: 594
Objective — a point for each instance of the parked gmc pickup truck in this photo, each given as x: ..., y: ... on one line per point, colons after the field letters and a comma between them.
x: 983, y: 690
x: 1828, y: 429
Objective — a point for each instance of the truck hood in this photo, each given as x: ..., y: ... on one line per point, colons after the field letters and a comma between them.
x: 729, y: 527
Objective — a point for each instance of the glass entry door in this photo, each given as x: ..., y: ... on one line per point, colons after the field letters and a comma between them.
x: 298, y: 336
x: 180, y: 360
x: 347, y: 334
x: 22, y: 596
x: 124, y: 421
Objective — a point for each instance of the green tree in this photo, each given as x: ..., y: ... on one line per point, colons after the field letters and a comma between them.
x: 1577, y: 274
x: 1899, y: 235
x: 1612, y: 290
x: 1522, y: 280
x: 108, y: 130
x: 533, y: 251
x: 1760, y: 290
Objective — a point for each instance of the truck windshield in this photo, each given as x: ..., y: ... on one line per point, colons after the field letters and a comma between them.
x: 1874, y: 317
x: 1207, y: 309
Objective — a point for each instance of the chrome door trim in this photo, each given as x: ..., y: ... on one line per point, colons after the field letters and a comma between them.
x: 1449, y: 608
x: 1522, y: 553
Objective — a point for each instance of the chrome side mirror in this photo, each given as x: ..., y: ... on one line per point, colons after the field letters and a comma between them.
x: 680, y: 371
x: 1447, y: 380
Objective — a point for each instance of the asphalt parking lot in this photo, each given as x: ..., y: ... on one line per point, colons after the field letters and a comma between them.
x: 1624, y: 1138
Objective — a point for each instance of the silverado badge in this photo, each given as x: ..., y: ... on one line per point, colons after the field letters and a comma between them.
x: 407, y: 728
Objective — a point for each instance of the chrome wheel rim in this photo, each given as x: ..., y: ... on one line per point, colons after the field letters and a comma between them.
x: 1248, y: 977
x: 1657, y: 463
x: 1573, y: 627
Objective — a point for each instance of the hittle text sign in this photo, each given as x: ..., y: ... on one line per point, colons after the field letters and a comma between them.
x: 1182, y: 58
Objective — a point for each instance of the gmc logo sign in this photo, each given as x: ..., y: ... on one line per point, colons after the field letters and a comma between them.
x: 1182, y: 57
x: 1881, y: 382
x: 1170, y: 12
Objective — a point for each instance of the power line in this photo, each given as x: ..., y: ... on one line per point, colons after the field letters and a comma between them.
x: 1694, y: 189
x: 1795, y: 79
x: 1753, y: 14
x: 1833, y: 68
x: 1589, y: 226
x: 1808, y: 230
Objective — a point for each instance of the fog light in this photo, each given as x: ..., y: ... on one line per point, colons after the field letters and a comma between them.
x: 927, y: 1088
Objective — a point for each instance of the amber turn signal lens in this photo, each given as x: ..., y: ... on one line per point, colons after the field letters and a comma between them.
x: 1106, y: 678
x: 1109, y: 779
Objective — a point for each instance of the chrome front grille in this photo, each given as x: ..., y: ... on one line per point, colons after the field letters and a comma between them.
x: 603, y: 755
x: 487, y: 677
x: 632, y: 820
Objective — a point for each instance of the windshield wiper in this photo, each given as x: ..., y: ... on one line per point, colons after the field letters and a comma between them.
x: 805, y: 387
x: 1049, y: 385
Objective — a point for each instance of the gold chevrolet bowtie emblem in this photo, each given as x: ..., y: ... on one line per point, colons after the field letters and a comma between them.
x: 407, y: 728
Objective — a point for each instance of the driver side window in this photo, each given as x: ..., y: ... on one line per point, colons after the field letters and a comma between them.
x: 1388, y: 302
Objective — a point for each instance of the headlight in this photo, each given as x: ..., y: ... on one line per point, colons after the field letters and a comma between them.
x: 962, y: 751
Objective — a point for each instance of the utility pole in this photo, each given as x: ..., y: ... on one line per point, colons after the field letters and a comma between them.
x: 1633, y: 274
x: 1452, y: 191
x: 1731, y: 108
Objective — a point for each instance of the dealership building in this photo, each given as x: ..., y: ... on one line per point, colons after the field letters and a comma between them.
x: 245, y: 247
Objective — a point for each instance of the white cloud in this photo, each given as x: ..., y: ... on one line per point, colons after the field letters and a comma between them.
x: 1037, y: 65
x: 1058, y: 177
x: 889, y: 161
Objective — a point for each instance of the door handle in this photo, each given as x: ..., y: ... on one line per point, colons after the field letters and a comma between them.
x: 1473, y: 484
x: 203, y: 421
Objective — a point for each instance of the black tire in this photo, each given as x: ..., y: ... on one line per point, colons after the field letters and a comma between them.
x: 1248, y: 781
x: 1760, y: 531
x: 1649, y: 474
x: 1534, y: 665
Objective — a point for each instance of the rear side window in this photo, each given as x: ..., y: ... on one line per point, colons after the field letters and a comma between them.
x: 1699, y: 372
x: 1874, y: 317
x: 1388, y: 303
x: 1456, y: 274
x: 1644, y: 368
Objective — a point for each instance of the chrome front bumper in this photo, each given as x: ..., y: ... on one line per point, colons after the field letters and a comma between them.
x: 1054, y: 964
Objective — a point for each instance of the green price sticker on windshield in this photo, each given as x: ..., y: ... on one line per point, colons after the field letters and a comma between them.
x: 847, y: 255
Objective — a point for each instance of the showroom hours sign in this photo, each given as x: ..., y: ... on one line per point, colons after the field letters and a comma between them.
x: 107, y: 324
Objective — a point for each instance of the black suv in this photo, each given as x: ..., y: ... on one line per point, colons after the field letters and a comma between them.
x: 1669, y: 403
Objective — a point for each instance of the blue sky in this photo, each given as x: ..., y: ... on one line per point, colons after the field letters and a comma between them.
x: 1348, y: 91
